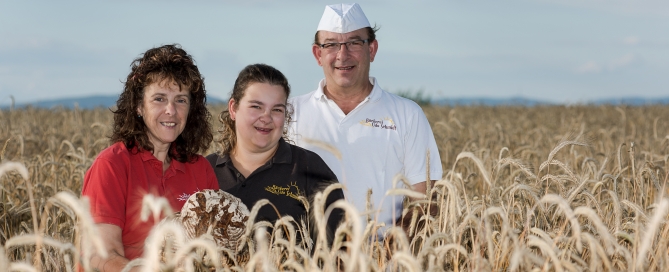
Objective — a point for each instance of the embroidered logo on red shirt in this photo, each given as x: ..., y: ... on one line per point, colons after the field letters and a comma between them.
x: 185, y: 196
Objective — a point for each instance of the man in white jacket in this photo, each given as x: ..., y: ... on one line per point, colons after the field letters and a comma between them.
x: 377, y: 135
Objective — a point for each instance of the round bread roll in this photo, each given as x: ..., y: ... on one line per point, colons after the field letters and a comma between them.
x: 223, y: 212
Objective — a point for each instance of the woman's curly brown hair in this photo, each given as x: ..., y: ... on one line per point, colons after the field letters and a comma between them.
x: 254, y: 73
x: 172, y: 64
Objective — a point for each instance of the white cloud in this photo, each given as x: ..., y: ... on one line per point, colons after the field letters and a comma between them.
x: 627, y: 7
x: 16, y: 42
x: 589, y: 67
x: 593, y: 67
x: 631, y: 40
x: 621, y: 62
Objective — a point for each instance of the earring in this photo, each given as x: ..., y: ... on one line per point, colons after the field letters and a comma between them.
x: 139, y: 115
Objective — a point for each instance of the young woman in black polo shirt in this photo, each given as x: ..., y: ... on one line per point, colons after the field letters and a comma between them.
x: 255, y: 161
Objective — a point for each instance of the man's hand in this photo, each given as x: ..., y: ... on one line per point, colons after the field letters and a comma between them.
x: 420, y: 187
x: 418, y: 210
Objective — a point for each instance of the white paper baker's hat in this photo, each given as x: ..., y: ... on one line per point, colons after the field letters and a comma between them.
x: 343, y: 18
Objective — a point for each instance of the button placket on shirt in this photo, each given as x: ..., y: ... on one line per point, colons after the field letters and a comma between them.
x: 158, y: 171
x: 353, y: 112
x: 169, y: 173
x: 240, y: 179
x: 243, y: 180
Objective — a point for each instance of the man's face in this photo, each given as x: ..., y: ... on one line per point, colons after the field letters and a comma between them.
x: 345, y: 68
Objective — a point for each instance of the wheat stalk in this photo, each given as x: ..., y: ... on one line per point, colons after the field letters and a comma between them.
x: 658, y: 218
x: 22, y: 267
x: 478, y: 164
x: 564, y: 206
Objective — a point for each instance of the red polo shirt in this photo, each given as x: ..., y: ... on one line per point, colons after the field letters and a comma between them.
x: 118, y: 180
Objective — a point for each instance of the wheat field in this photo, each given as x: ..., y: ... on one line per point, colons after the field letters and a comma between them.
x: 546, y: 188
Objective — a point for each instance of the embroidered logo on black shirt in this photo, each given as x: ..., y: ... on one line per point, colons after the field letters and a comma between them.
x: 291, y: 190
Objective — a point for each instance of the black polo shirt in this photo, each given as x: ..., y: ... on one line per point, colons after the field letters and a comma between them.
x: 293, y: 171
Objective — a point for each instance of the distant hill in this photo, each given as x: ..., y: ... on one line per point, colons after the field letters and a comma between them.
x: 88, y: 102
x: 107, y: 101
x: 513, y: 101
x: 521, y: 101
x: 634, y: 101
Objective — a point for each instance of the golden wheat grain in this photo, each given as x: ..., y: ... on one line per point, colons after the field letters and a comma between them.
x: 22, y: 267
x: 570, y: 176
x: 572, y: 194
x: 596, y: 251
x: 352, y: 218
x: 451, y: 208
x: 4, y: 261
x: 14, y: 166
x: 637, y: 210
x: 31, y: 239
x: 545, y: 248
x: 291, y: 265
x: 406, y: 191
x: 603, y: 231
x: 155, y: 241
x: 4, y: 148
x: 262, y: 259
x: 660, y: 257
x: 503, y: 162
x: 203, y: 243
x: 517, y: 258
x: 658, y: 218
x: 68, y: 263
x: 155, y: 207
x: 569, y: 214
x: 132, y: 264
x: 404, y: 260
x: 91, y: 241
x: 33, y: 210
x: 321, y: 215
x: 478, y: 163
x: 617, y: 194
x: 285, y: 223
x: 246, y: 240
x: 325, y: 146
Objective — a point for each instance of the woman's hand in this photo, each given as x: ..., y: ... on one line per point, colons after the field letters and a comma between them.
x: 112, y: 239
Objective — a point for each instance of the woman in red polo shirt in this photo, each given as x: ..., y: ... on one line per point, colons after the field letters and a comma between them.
x: 160, y: 125
x: 256, y: 162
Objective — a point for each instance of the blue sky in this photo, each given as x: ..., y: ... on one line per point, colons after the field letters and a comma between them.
x: 563, y: 51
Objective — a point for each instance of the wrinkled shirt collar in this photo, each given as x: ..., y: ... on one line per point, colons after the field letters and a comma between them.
x: 282, y: 155
x: 373, y: 96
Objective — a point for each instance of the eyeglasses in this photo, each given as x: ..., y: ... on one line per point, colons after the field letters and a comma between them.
x: 353, y: 46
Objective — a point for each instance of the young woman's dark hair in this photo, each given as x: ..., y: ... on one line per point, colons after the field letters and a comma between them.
x: 254, y: 73
x: 167, y: 63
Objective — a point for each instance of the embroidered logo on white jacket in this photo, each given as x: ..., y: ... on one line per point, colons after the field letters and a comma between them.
x: 385, y: 123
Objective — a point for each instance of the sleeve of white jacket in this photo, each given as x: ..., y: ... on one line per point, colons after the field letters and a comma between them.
x: 418, y: 140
